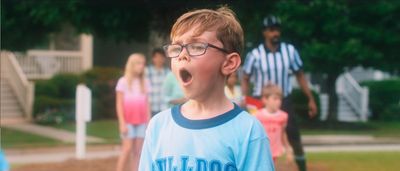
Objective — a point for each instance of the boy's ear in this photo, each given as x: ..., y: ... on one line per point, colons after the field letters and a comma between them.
x: 231, y: 64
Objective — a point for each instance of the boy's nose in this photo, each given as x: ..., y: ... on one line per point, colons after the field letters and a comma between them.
x: 184, y: 55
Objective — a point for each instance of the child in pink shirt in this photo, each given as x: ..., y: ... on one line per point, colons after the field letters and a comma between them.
x: 232, y: 89
x: 132, y: 109
x: 274, y: 121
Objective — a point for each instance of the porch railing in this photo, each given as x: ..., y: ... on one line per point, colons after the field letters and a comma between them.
x: 356, y: 95
x: 43, y: 64
x: 23, y: 89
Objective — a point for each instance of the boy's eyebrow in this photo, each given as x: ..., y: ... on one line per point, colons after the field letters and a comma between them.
x: 195, y: 39
x: 191, y: 40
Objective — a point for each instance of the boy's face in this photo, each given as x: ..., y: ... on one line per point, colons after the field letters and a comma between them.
x: 158, y: 59
x: 199, y: 75
x: 272, y: 102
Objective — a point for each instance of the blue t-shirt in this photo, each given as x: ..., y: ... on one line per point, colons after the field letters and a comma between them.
x: 233, y: 141
x: 3, y: 162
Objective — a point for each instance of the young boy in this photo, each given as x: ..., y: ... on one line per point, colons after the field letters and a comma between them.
x: 208, y: 132
x: 156, y: 73
x: 274, y: 121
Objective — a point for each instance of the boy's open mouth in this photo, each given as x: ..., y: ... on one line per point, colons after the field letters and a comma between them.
x: 185, y: 75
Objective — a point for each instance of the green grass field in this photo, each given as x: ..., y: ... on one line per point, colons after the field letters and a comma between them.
x: 17, y: 139
x: 106, y: 129
x: 357, y: 161
x: 378, y: 129
x: 329, y: 161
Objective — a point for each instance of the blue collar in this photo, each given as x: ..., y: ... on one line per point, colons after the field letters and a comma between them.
x: 204, y: 123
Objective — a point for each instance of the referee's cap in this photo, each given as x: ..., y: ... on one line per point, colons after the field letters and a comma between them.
x: 271, y: 21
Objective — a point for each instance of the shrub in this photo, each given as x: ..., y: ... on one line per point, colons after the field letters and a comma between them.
x: 102, y: 82
x: 384, y: 97
x: 46, y: 88
x: 60, y: 86
x: 66, y: 84
x: 391, y: 113
x: 53, y: 110
x: 300, y: 105
x: 101, y: 74
x: 55, y: 98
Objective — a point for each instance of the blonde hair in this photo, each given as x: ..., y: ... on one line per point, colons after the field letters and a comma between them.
x: 129, y: 74
x: 222, y: 20
x: 271, y: 89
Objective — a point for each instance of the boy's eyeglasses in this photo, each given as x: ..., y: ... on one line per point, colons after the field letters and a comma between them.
x: 193, y: 49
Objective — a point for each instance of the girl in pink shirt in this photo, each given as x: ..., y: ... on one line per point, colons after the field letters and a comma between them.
x: 274, y: 121
x: 132, y: 109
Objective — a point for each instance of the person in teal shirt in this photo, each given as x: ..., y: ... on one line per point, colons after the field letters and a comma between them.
x: 172, y: 92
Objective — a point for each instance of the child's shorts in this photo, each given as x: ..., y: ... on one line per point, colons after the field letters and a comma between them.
x: 135, y: 131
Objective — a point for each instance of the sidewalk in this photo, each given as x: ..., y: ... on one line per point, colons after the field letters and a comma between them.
x: 353, y: 148
x: 348, y: 143
x: 314, y: 143
x: 58, y: 154
x: 50, y: 132
x: 346, y: 140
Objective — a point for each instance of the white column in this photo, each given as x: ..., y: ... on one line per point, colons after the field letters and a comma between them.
x: 87, y: 51
x: 82, y: 115
x: 30, y: 100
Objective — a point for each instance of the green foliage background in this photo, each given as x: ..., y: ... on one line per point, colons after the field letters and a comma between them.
x: 331, y: 36
x: 55, y: 98
x: 335, y: 34
x: 384, y: 99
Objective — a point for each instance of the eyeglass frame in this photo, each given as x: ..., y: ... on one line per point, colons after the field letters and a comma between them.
x: 165, y: 47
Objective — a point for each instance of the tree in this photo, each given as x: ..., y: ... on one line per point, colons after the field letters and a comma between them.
x: 119, y: 20
x: 32, y: 21
x: 334, y: 35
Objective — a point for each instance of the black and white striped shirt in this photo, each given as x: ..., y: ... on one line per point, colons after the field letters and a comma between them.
x: 266, y: 67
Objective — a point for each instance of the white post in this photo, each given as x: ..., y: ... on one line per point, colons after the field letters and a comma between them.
x: 324, y: 101
x: 30, y: 100
x: 340, y: 84
x: 82, y: 115
x: 87, y: 51
x: 365, y: 97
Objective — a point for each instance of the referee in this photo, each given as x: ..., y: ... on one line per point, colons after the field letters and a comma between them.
x: 273, y: 62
